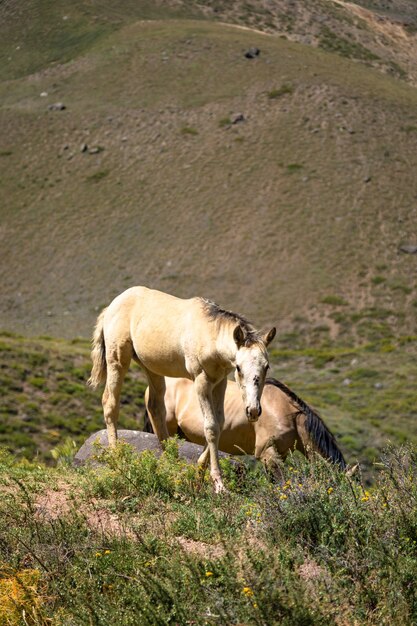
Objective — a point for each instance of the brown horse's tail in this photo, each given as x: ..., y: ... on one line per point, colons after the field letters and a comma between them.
x: 319, y: 436
x: 98, y: 355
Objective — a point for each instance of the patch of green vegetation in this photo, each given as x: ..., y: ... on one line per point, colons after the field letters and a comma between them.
x: 5, y: 153
x: 97, y: 176
x: 332, y: 42
x: 280, y: 91
x: 363, y: 373
x: 378, y: 280
x: 334, y: 300
x: 189, y: 130
x: 294, y: 167
x: 409, y: 129
x: 397, y: 286
x: 224, y: 122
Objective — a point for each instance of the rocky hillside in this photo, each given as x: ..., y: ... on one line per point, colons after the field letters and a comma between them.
x: 143, y: 147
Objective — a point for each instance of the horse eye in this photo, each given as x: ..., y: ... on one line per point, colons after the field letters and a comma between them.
x: 238, y: 369
x: 266, y: 368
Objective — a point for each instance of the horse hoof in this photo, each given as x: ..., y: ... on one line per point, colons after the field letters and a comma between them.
x: 219, y: 487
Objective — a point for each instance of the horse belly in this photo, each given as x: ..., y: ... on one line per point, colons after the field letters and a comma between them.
x: 158, y: 345
x: 164, y: 363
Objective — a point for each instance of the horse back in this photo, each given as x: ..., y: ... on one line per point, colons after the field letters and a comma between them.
x: 163, y: 329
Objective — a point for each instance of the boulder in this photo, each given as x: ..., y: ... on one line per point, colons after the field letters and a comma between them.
x: 252, y: 53
x: 140, y: 441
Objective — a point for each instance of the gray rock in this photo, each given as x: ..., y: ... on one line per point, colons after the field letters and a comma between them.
x: 409, y: 249
x: 239, y: 117
x: 57, y: 106
x: 140, y: 441
x: 252, y: 53
x: 84, y: 147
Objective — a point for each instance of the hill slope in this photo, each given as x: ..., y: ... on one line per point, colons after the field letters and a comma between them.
x: 365, y: 395
x: 293, y: 215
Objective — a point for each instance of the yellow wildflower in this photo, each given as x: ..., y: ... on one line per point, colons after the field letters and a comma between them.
x: 107, y: 551
x: 366, y: 496
x: 209, y: 574
x: 330, y: 490
x: 283, y: 496
x: 247, y: 591
x: 98, y: 554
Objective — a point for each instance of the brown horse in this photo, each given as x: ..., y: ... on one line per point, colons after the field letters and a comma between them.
x: 168, y: 336
x: 287, y: 423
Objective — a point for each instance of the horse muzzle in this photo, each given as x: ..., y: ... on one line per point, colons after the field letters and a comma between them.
x: 253, y: 413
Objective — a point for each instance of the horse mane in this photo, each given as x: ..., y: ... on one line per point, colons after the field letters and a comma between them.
x: 216, y: 313
x: 322, y: 437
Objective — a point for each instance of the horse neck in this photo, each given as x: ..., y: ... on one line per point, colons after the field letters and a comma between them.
x: 225, y: 344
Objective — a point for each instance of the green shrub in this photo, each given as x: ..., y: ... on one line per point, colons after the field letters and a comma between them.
x: 334, y: 300
x: 188, y: 130
x: 281, y: 91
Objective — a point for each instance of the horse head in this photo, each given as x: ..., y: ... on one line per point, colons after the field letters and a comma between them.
x: 252, y: 365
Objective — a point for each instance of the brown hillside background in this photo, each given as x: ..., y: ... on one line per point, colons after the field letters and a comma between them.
x: 283, y: 186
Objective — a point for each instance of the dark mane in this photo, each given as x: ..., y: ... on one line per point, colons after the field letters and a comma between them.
x: 214, y: 312
x: 316, y: 428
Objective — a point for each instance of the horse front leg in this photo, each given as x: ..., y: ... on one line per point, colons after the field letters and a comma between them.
x: 271, y: 459
x: 204, y: 391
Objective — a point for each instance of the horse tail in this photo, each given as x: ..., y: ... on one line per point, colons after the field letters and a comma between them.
x: 319, y: 436
x: 98, y: 354
x: 147, y: 425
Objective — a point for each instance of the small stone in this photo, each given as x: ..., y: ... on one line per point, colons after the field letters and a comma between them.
x: 367, y: 179
x: 94, y: 151
x: 84, y: 147
x: 378, y: 386
x: 57, y: 106
x: 252, y: 53
x: 409, y: 249
x: 43, y: 94
x: 346, y: 382
x: 239, y: 117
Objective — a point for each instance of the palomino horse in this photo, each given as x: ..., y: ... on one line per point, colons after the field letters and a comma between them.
x: 194, y: 339
x: 287, y: 423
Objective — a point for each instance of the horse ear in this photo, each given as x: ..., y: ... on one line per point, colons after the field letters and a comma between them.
x: 238, y: 336
x: 268, y: 337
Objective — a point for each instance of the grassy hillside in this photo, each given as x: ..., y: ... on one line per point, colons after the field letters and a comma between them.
x: 144, y: 178
x: 45, y: 400
x: 144, y: 541
x: 366, y: 395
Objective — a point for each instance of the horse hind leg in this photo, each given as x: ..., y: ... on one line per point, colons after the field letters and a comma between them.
x: 118, y: 361
x: 156, y: 405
